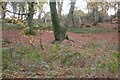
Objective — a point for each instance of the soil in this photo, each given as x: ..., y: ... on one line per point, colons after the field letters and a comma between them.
x: 47, y: 37
x: 14, y: 36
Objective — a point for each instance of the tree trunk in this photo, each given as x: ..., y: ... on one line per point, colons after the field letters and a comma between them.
x: 30, y: 18
x: 39, y: 16
x: 21, y: 17
x: 118, y: 14
x: 3, y: 5
x: 19, y: 14
x: 60, y: 8
x: 96, y: 16
x: 23, y: 10
x: 55, y: 22
x: 69, y: 17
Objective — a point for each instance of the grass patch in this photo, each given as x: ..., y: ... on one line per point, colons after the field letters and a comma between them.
x: 10, y: 26
x: 92, y: 45
x: 89, y: 30
x: 108, y: 62
x: 58, y: 61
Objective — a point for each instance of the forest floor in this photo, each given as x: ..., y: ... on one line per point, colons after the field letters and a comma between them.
x: 97, y: 53
x: 47, y: 36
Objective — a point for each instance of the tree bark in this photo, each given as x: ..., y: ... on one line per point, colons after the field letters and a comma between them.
x: 60, y: 4
x: 69, y: 17
x: 18, y: 14
x: 96, y: 16
x: 3, y: 5
x: 30, y: 18
x: 118, y: 14
x: 55, y: 22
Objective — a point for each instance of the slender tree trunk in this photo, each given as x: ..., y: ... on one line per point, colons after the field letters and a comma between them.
x: 69, y: 17
x: 118, y: 13
x: 55, y: 22
x: 25, y: 16
x: 3, y: 15
x: 88, y: 7
x: 23, y: 10
x: 19, y: 14
x: 39, y: 16
x: 60, y: 4
x: 30, y: 18
x: 118, y: 10
x: 45, y: 19
x: 96, y: 16
x: 3, y: 5
x: 21, y: 17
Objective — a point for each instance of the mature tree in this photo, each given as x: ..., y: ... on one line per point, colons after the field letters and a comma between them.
x: 58, y: 31
x: 30, y: 18
x: 93, y: 7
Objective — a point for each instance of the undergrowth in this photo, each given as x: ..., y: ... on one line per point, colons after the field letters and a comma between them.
x: 89, y: 30
x: 58, y: 60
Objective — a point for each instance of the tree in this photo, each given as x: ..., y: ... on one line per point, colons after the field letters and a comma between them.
x: 58, y: 31
x: 30, y: 18
x: 78, y: 15
x: 118, y: 13
x: 3, y: 9
x: 60, y: 4
x: 70, y: 15
x: 96, y: 16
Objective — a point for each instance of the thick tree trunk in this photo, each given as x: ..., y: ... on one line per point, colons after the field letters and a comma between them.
x: 58, y: 34
x: 30, y: 18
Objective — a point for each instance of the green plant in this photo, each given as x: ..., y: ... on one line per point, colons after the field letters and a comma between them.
x: 107, y: 62
x: 66, y: 58
x: 92, y: 44
x: 9, y: 26
x: 88, y: 30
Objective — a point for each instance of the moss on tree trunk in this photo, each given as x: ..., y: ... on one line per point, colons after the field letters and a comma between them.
x: 58, y: 30
x: 30, y: 18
